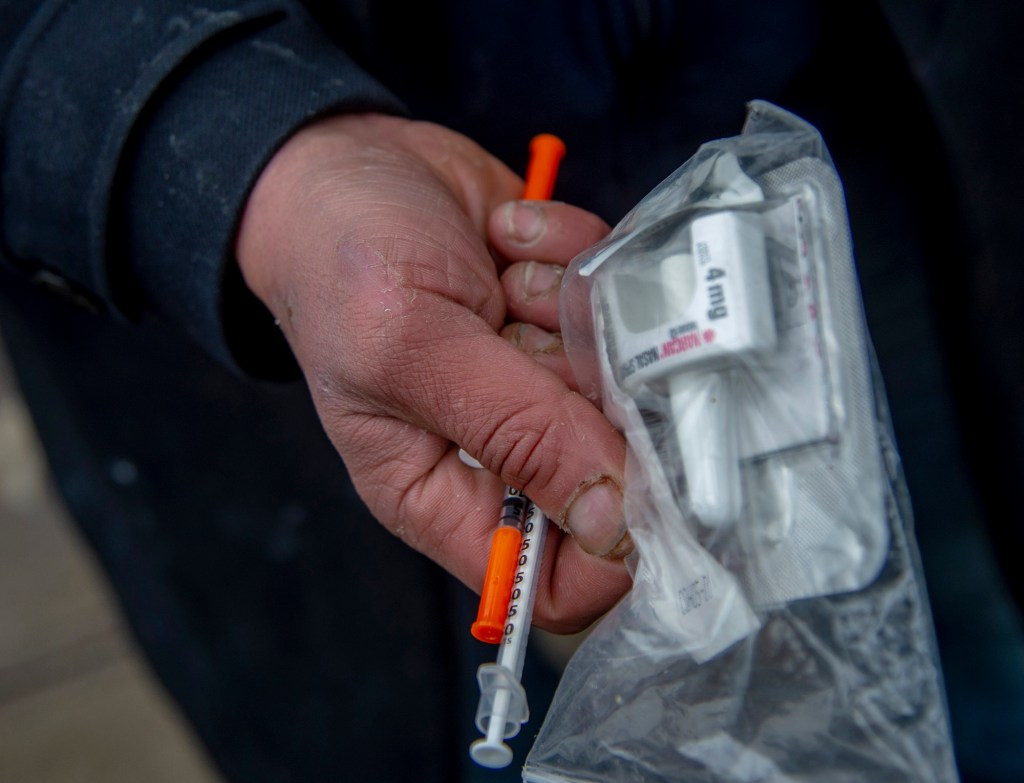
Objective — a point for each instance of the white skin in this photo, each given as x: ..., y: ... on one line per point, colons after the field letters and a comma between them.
x: 422, y: 309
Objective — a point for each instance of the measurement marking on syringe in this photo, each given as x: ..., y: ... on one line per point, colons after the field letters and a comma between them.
x: 520, y: 577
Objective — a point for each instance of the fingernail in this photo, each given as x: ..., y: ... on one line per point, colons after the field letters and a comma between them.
x: 596, y: 520
x: 540, y: 280
x: 524, y: 222
x: 532, y: 339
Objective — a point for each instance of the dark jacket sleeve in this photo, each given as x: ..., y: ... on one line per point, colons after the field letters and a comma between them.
x: 132, y: 133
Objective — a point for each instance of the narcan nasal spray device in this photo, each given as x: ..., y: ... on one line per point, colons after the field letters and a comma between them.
x: 680, y: 313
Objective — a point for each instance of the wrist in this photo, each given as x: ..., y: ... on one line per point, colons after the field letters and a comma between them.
x: 282, y: 203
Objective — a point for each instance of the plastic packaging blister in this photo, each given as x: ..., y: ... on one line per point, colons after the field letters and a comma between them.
x: 777, y: 628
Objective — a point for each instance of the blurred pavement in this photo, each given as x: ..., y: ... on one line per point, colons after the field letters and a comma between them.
x: 77, y: 701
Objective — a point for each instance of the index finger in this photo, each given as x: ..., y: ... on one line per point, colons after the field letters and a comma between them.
x: 548, y: 231
x: 443, y: 367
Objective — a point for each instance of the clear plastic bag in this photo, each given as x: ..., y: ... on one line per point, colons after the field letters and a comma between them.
x: 777, y: 629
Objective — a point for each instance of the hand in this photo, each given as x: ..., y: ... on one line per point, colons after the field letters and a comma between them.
x: 366, y: 237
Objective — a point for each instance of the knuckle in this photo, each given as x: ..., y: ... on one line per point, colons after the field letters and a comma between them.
x: 518, y: 446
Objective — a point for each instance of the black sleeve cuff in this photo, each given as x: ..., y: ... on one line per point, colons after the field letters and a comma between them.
x: 131, y: 141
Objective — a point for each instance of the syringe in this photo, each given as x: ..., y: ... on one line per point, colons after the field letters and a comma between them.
x: 503, y: 708
x: 506, y: 600
x: 546, y: 153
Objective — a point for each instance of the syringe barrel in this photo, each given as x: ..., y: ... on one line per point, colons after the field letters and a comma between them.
x: 512, y: 649
x: 503, y: 708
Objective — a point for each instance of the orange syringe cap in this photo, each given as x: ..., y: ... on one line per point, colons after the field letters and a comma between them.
x: 546, y: 153
x: 501, y: 572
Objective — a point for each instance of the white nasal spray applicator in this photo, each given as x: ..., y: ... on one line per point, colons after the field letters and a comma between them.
x: 682, y: 318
